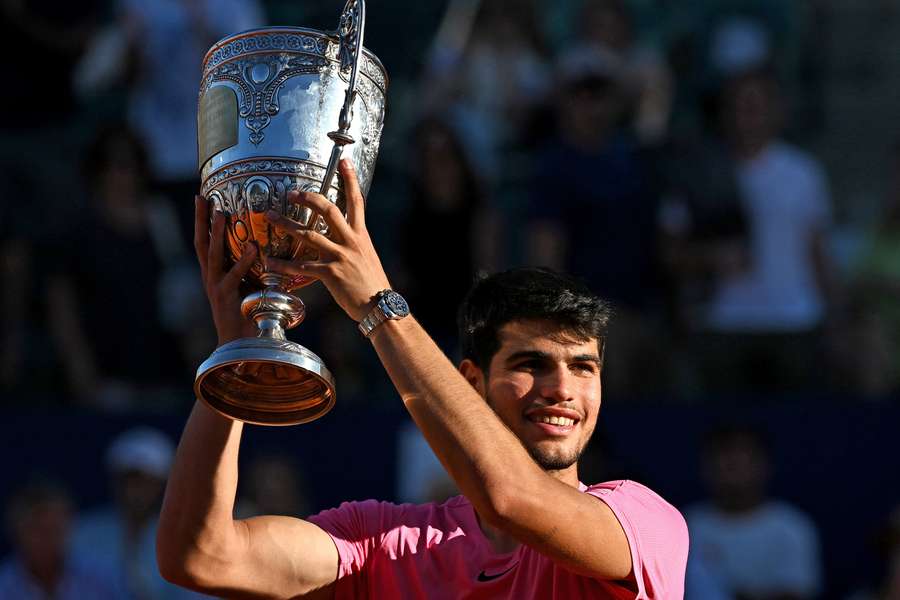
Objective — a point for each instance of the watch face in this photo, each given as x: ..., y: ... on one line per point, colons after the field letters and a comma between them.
x: 396, y: 303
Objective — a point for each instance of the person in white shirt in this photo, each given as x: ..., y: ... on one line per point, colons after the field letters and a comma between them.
x: 766, y: 314
x: 760, y: 548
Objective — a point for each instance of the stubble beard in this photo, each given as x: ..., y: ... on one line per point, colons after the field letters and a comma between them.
x: 554, y: 461
x: 549, y: 461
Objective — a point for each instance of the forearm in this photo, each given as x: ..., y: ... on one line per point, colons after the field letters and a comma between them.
x: 479, y: 452
x: 197, y: 524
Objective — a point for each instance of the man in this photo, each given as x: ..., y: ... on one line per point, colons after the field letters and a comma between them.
x: 118, y: 539
x: 508, y: 426
x: 774, y: 297
x: 760, y: 547
x: 39, y: 517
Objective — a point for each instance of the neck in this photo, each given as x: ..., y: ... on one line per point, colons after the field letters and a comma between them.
x: 741, y: 503
x: 588, y: 140
x: 569, y: 475
x: 750, y: 149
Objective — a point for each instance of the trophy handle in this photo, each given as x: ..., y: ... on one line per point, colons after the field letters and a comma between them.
x: 350, y: 31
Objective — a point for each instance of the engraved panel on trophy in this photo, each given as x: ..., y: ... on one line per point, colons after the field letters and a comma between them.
x: 217, y: 122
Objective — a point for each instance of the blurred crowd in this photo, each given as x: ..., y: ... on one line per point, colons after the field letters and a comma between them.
x: 662, y: 151
x: 659, y: 154
x: 747, y: 543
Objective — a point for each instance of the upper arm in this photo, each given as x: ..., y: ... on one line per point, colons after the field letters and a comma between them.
x: 570, y: 527
x: 274, y: 557
x: 622, y: 533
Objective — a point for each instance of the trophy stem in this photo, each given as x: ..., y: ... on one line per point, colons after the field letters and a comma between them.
x: 267, y: 380
x: 273, y: 311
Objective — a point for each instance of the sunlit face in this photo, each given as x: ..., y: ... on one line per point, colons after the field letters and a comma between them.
x: 545, y: 386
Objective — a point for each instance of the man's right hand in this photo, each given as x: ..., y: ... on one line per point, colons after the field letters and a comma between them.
x: 221, y: 285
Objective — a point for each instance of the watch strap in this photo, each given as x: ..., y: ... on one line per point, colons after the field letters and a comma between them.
x: 378, y: 315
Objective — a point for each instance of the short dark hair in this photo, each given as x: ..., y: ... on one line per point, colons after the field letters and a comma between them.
x: 528, y: 293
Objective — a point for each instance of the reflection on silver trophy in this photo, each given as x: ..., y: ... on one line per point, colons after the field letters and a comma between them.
x: 277, y: 108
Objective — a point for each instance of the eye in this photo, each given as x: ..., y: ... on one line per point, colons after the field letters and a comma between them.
x: 528, y: 365
x: 584, y: 368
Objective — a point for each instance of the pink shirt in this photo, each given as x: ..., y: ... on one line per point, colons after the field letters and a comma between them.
x: 438, y: 551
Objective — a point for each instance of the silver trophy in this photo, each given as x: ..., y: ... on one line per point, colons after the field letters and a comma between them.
x: 277, y: 108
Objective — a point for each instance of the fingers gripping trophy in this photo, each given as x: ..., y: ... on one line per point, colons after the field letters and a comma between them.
x: 278, y: 108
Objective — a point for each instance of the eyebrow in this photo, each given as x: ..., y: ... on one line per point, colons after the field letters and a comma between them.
x: 538, y: 355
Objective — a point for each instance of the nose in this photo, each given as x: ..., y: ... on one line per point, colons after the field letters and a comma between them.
x: 556, y: 385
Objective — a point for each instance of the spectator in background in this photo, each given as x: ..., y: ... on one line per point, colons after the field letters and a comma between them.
x: 593, y: 210
x: 40, y: 42
x: 272, y: 485
x: 121, y: 539
x: 872, y: 359
x: 38, y: 518
x: 123, y: 262
x: 15, y: 263
x: 887, y: 586
x: 701, y: 584
x: 704, y: 240
x: 420, y: 475
x: 451, y: 213
x: 760, y: 548
x: 768, y: 311
x: 489, y: 69
x: 608, y: 25
x: 163, y: 43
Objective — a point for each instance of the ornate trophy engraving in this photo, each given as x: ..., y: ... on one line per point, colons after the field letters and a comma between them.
x: 277, y: 107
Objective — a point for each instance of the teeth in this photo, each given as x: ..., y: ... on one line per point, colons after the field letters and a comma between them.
x: 562, y: 421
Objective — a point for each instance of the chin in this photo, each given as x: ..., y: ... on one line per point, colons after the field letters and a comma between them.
x: 553, y: 461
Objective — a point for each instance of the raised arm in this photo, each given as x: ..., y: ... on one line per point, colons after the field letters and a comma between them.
x: 487, y: 461
x: 199, y: 543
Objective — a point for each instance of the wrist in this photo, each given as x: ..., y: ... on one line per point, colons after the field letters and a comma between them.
x: 365, y: 308
x: 389, y: 306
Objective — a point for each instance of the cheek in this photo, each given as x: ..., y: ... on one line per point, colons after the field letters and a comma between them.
x: 506, y: 395
x: 592, y: 395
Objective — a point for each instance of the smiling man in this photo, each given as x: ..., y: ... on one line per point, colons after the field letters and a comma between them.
x: 508, y: 425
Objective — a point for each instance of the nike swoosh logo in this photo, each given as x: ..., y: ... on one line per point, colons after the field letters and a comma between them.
x: 485, y: 577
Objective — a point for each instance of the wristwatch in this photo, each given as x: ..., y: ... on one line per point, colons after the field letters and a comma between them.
x: 390, y: 306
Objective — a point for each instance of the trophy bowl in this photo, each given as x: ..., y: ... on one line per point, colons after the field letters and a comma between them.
x: 278, y: 107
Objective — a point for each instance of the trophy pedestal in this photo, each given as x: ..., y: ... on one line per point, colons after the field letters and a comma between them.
x: 265, y: 381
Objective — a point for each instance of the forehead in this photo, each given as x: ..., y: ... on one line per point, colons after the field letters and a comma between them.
x: 547, y: 336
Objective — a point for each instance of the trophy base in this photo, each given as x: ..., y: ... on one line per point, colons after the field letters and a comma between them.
x: 265, y: 381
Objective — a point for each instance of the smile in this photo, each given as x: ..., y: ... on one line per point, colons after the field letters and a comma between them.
x: 561, y: 421
x: 555, y: 422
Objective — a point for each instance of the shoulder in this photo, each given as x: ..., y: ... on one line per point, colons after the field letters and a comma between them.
x: 642, y: 510
x: 636, y: 498
x: 656, y: 531
x: 85, y: 575
x: 787, y: 515
x: 700, y: 512
x: 373, y: 517
x: 802, y: 162
x: 7, y: 569
x: 96, y: 525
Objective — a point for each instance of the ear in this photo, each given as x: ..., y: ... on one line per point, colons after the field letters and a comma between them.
x: 474, y: 375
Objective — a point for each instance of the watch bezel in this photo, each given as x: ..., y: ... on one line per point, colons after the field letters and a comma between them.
x: 394, y: 305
